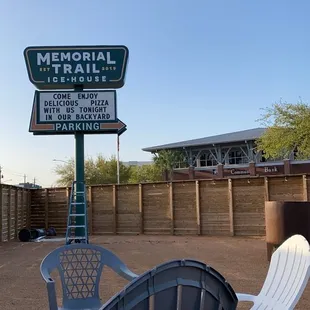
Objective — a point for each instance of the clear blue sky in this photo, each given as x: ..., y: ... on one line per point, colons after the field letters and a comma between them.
x: 196, y: 68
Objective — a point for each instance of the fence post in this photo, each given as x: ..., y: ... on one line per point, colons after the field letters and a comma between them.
x: 68, y: 199
x: 305, y: 187
x: 114, y: 203
x: 198, y: 208
x: 141, y: 208
x: 28, y: 209
x: 68, y: 205
x: 16, y: 213
x: 171, y: 208
x: 22, y: 209
x: 46, y: 208
x: 90, y: 209
x: 9, y: 213
x: 231, y: 207
x: 266, y: 187
x: 1, y: 213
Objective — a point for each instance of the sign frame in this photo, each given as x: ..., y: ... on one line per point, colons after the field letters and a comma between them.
x: 48, y: 128
x: 44, y: 85
x: 37, y: 100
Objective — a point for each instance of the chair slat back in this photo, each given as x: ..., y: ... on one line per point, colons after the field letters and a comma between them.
x: 178, y: 284
x: 287, y: 276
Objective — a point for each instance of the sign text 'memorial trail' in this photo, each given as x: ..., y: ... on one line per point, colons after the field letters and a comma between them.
x: 94, y: 67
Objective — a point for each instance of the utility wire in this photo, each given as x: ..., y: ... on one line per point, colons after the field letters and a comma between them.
x: 13, y: 172
x: 17, y: 174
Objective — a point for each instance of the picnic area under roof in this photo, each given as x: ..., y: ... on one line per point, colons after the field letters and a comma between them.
x: 232, y: 137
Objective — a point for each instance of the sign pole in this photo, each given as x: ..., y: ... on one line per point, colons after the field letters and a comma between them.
x: 79, y: 176
x: 117, y: 160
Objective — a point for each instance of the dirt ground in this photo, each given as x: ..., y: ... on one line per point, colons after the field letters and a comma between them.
x: 242, y: 261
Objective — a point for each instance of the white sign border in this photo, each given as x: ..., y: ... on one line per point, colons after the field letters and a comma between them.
x: 37, y: 102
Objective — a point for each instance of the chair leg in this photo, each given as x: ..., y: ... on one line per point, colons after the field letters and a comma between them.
x: 270, y: 247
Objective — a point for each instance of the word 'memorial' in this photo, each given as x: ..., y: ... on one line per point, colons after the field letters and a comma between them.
x: 93, y: 67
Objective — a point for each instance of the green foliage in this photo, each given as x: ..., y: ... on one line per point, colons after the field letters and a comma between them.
x: 97, y: 171
x: 104, y: 171
x: 288, y: 129
x: 166, y: 160
x: 146, y: 173
x: 65, y: 173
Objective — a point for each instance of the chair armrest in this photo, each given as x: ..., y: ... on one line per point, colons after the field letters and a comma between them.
x: 51, y: 290
x: 112, y: 261
x: 246, y: 297
x: 52, y: 295
x: 126, y: 273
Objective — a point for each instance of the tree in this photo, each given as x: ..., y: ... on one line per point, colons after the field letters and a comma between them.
x: 288, y: 130
x: 145, y: 173
x: 167, y: 160
x: 65, y: 173
x: 97, y: 171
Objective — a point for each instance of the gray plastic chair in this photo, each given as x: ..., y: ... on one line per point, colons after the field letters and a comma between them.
x: 178, y: 284
x: 80, y: 267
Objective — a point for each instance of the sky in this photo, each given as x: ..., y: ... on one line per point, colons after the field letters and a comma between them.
x: 196, y: 69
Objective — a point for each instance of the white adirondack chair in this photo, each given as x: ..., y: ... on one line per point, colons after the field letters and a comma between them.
x: 287, y: 277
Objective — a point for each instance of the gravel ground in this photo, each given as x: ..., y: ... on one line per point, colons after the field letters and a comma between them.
x: 242, y: 261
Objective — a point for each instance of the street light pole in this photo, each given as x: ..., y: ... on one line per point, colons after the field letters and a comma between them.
x: 63, y: 161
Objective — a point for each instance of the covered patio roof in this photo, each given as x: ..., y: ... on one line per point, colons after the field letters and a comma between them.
x: 232, y: 137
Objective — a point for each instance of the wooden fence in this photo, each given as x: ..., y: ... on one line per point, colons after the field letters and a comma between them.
x: 14, y: 211
x: 204, y: 207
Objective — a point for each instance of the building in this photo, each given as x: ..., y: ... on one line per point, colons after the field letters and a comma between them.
x: 136, y: 163
x: 29, y: 185
x: 228, y: 155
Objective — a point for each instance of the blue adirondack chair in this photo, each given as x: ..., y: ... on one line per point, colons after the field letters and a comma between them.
x: 80, y: 267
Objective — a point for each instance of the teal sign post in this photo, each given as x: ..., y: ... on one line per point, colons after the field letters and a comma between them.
x: 94, y: 67
x: 71, y: 109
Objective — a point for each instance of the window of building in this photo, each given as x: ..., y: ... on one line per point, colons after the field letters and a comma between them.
x: 203, y: 160
x: 207, y: 160
x: 237, y: 157
x: 185, y: 163
x: 270, y: 159
x: 223, y: 157
x: 181, y: 164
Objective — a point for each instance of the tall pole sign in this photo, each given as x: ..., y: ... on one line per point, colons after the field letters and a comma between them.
x: 62, y: 106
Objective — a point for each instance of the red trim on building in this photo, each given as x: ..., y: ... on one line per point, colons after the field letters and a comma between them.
x: 285, y: 167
